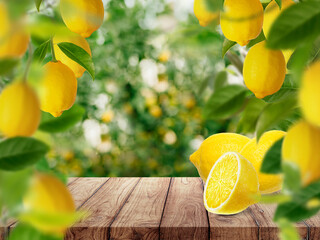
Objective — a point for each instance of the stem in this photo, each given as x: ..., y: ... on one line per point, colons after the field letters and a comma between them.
x: 235, y: 60
x: 52, y: 50
x: 26, y: 72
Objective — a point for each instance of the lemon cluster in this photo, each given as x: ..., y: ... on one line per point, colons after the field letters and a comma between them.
x: 230, y: 165
x: 20, y: 103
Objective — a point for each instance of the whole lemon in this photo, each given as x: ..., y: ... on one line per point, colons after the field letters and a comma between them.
x: 309, y: 97
x: 47, y: 195
x: 271, y: 12
x: 77, y: 40
x: 204, y: 15
x: 82, y: 16
x: 264, y: 70
x: 213, y: 147
x: 19, y: 110
x: 255, y: 153
x: 14, y: 39
x: 301, y: 146
x: 57, y: 89
x: 242, y: 20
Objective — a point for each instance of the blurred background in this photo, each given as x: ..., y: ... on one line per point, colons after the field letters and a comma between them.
x: 155, y: 69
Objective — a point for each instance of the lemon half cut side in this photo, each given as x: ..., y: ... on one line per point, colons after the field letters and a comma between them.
x: 232, y: 185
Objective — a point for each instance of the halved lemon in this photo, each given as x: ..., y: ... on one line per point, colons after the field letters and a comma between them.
x: 232, y: 185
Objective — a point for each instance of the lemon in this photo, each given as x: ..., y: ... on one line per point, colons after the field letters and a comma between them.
x: 48, y: 195
x: 204, y: 15
x: 19, y: 110
x: 213, y: 147
x: 264, y: 70
x: 255, y: 153
x: 301, y: 146
x: 58, y: 88
x: 155, y: 111
x: 232, y: 185
x: 14, y: 39
x: 271, y: 12
x: 77, y: 40
x: 241, y: 20
x: 82, y: 16
x: 309, y: 97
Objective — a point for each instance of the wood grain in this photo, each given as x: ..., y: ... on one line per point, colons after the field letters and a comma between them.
x: 184, y: 215
x: 314, y: 227
x: 268, y: 230
x: 140, y: 216
x: 103, y: 206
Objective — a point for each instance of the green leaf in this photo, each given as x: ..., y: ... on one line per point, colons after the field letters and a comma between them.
x: 215, y: 5
x: 38, y: 3
x: 279, y: 2
x: 225, y: 102
x: 26, y: 232
x: 258, y: 39
x: 21, y: 152
x: 272, y: 160
x: 41, y: 52
x: 287, y: 230
x: 220, y: 80
x: 273, y: 113
x: 274, y: 198
x: 226, y: 46
x: 296, y: 210
x: 7, y: 64
x: 250, y: 115
x: 67, y: 120
x: 289, y: 88
x: 79, y: 55
x: 292, y: 178
x: 297, y: 24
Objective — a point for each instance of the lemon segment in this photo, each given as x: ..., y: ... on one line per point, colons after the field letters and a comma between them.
x: 255, y: 153
x: 301, y: 146
x: 232, y: 185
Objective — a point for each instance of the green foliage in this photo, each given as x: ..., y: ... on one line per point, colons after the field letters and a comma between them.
x: 272, y: 160
x: 78, y: 55
x: 38, y: 3
x: 214, y: 5
x: 41, y: 52
x: 292, y: 180
x: 20, y: 152
x: 67, y: 120
x: 6, y: 65
x: 288, y: 230
x: 227, y: 45
x: 258, y: 39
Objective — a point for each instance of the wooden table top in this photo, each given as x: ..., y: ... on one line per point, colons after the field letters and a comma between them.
x: 165, y: 208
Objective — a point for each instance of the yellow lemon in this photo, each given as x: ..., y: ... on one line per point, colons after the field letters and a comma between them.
x: 77, y: 40
x: 14, y: 39
x: 204, y: 15
x: 82, y: 16
x: 241, y: 20
x: 19, y: 110
x: 48, y: 195
x: 271, y: 12
x: 301, y: 146
x: 155, y: 111
x: 255, y: 153
x: 264, y: 70
x: 213, y: 147
x: 309, y: 97
x: 232, y: 185
x: 58, y: 88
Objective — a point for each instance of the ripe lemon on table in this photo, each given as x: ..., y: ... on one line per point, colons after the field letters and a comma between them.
x: 271, y: 12
x: 19, y: 110
x: 57, y: 89
x: 255, y: 153
x: 301, y: 146
x: 264, y: 70
x: 77, y: 40
x: 309, y: 97
x: 241, y: 20
x: 213, y: 147
x: 232, y: 185
x: 204, y: 15
x: 82, y: 16
x: 48, y: 196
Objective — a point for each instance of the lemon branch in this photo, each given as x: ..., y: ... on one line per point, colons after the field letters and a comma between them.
x: 52, y: 51
x: 30, y: 56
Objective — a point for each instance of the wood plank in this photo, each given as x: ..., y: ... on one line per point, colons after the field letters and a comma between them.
x: 140, y: 217
x: 71, y: 180
x: 268, y: 230
x: 242, y: 225
x: 103, y: 206
x: 184, y: 215
x: 314, y: 227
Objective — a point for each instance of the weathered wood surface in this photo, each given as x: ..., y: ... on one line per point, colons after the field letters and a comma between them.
x: 164, y: 208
